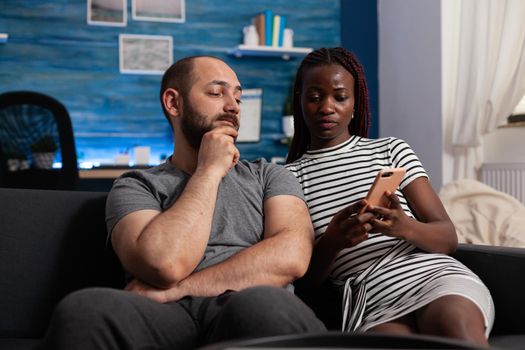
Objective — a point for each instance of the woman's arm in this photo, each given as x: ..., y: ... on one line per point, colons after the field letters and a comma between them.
x: 346, y: 229
x: 434, y: 232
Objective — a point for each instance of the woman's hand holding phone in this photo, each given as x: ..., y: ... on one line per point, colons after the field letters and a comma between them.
x: 391, y: 221
x: 350, y: 226
x: 389, y: 217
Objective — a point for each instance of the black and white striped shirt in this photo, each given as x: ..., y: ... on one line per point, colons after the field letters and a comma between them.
x: 384, y: 277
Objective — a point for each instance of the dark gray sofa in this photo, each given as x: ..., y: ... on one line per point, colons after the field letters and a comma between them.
x: 53, y: 242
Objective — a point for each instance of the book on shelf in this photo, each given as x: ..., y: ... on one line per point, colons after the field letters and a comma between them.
x: 275, y: 30
x: 268, y: 27
x: 258, y: 21
x: 282, y: 26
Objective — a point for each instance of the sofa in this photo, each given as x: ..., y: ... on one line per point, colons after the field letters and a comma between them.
x: 54, y: 242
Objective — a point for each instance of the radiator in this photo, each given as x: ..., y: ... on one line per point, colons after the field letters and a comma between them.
x: 505, y: 177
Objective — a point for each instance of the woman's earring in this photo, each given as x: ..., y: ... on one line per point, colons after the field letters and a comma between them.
x: 352, y: 116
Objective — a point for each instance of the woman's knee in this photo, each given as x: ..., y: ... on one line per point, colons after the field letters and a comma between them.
x: 404, y: 325
x: 453, y: 316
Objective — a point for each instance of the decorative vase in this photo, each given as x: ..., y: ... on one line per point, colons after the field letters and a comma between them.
x: 287, y: 125
x: 43, y: 160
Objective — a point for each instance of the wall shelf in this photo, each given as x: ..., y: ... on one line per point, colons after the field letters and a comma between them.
x: 512, y: 125
x: 269, y: 51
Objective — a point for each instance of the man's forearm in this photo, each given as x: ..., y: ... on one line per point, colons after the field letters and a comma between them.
x: 276, y: 261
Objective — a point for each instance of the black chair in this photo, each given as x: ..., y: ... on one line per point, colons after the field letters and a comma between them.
x: 25, y: 117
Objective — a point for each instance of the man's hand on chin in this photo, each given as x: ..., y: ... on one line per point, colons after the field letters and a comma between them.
x: 217, y: 153
x: 154, y: 293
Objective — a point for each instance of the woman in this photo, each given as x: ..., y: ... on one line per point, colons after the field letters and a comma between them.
x: 393, y: 269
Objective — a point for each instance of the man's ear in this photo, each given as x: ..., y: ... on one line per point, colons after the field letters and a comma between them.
x: 172, y: 101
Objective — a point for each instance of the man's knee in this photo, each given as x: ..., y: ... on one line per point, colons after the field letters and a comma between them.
x: 263, y: 294
x: 87, y: 305
x: 102, y: 318
x: 265, y: 298
x: 271, y: 307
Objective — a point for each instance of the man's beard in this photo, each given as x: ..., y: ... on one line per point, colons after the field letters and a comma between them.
x: 194, y: 125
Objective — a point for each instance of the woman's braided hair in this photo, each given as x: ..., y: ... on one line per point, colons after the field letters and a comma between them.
x: 361, y: 121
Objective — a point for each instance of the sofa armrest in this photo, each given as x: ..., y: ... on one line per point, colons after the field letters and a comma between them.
x: 502, y: 269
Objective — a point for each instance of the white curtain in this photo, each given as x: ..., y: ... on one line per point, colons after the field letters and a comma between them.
x: 483, y: 73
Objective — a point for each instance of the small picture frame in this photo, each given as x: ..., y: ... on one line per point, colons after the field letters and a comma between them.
x: 251, y: 111
x: 107, y: 13
x: 145, y: 54
x: 159, y: 10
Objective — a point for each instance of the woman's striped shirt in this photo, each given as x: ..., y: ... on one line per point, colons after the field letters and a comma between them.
x: 383, y: 277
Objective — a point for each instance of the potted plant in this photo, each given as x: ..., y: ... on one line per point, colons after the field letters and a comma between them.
x: 44, y: 150
x: 16, y: 159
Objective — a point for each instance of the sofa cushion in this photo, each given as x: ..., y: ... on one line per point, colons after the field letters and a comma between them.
x: 514, y: 342
x: 51, y: 243
x: 19, y: 343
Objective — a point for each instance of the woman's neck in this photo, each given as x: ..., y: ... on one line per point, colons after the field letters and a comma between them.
x: 321, y: 144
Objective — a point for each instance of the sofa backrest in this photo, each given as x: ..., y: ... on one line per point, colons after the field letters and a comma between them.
x: 51, y: 243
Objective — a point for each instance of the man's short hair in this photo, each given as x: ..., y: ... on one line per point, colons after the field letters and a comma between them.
x: 179, y: 76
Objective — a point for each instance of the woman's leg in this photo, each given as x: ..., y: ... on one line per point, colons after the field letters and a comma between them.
x: 403, y: 326
x: 453, y: 316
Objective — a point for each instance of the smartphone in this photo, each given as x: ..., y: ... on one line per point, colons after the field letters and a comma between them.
x: 387, y: 179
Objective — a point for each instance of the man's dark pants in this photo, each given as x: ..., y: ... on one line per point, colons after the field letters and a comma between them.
x: 102, y: 318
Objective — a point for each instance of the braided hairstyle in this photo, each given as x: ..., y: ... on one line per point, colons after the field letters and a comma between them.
x: 361, y: 121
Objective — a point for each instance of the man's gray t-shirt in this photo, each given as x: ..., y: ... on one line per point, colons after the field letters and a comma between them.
x: 238, y: 219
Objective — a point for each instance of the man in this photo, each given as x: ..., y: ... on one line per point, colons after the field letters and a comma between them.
x: 208, y: 240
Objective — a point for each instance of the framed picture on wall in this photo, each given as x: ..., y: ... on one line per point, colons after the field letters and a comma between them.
x: 145, y: 54
x: 159, y: 10
x: 107, y: 12
x: 250, y: 130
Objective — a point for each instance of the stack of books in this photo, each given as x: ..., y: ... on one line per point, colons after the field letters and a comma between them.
x: 270, y: 28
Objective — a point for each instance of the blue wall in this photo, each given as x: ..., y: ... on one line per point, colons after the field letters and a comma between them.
x: 52, y: 49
